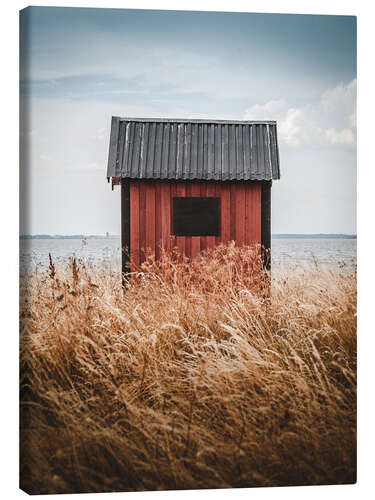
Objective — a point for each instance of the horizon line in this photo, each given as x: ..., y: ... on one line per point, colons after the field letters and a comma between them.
x: 118, y: 235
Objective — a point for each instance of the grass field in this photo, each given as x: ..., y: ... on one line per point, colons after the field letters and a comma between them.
x: 192, y: 378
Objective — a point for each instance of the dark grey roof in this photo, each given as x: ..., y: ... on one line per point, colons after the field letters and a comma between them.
x: 221, y: 150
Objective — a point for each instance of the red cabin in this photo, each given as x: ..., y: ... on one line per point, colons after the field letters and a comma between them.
x: 192, y: 184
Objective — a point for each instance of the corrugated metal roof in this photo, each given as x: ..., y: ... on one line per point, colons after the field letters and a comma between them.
x: 221, y: 150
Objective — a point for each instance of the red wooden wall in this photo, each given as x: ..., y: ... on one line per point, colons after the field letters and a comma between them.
x: 151, y: 215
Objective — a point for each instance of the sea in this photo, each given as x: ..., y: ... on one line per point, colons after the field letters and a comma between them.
x: 106, y: 251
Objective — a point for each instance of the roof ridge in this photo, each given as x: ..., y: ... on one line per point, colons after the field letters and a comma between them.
x: 195, y: 120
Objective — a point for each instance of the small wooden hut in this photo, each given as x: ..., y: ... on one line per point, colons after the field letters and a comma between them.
x: 192, y: 183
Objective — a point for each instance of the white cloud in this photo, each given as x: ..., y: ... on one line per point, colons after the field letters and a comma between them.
x: 341, y: 101
x: 345, y: 136
x: 290, y: 127
x: 332, y: 120
x: 290, y: 120
x: 266, y: 111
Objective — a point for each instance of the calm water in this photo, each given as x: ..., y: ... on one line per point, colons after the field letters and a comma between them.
x: 107, y: 251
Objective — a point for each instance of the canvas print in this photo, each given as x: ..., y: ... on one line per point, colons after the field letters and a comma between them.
x: 187, y: 250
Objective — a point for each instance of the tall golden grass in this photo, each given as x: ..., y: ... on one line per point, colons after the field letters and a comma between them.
x: 191, y: 378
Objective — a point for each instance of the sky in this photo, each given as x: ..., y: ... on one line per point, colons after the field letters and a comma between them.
x: 81, y: 66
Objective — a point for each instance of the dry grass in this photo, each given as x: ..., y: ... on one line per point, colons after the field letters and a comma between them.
x: 190, y: 379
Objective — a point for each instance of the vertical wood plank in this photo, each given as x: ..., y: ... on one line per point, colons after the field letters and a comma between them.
x: 150, y: 216
x: 158, y: 225
x: 134, y: 222
x: 256, y: 213
x: 225, y: 212
x: 254, y: 210
x: 166, y: 215
x: 258, y: 222
x: 188, y: 238
x: 211, y: 192
x: 195, y: 240
x: 257, y: 206
x: 125, y: 228
x: 240, y: 214
x: 233, y: 193
x: 203, y: 239
x: 266, y: 223
x: 249, y: 215
x: 218, y: 195
x: 142, y: 221
x: 179, y: 190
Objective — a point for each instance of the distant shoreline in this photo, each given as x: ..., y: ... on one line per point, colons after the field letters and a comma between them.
x: 114, y: 237
x: 68, y: 237
x: 316, y: 236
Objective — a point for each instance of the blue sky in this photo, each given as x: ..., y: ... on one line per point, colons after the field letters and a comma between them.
x: 81, y: 66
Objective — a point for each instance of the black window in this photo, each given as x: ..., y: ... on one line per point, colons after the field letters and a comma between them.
x: 196, y: 216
